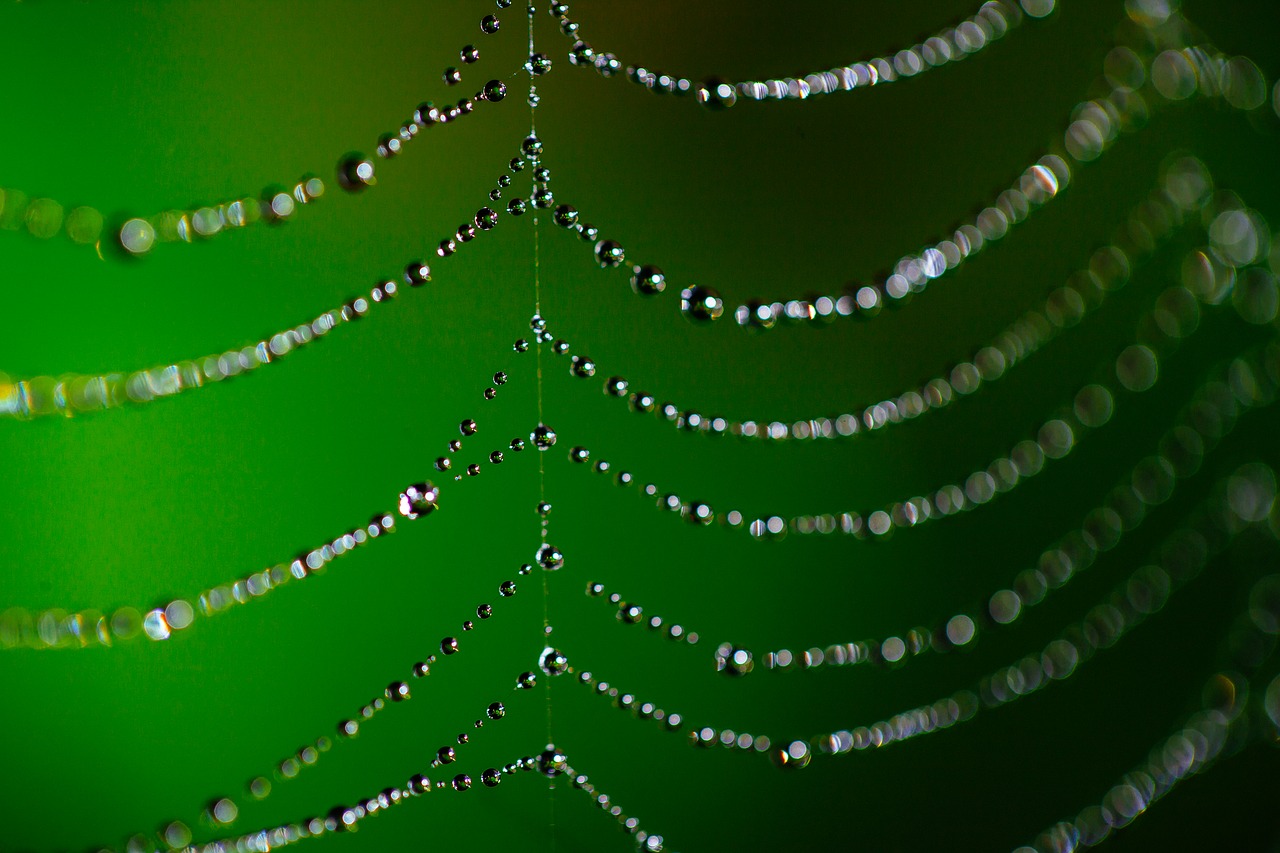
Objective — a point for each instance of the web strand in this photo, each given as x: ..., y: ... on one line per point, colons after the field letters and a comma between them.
x: 542, y: 479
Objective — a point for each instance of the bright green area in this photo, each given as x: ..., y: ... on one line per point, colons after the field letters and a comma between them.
x: 133, y: 107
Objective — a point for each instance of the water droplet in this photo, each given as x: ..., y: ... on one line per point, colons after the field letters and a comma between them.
x: 732, y: 660
x: 581, y: 53
x: 489, y: 24
x: 526, y: 681
x: 461, y: 782
x: 609, y: 253
x: 491, y: 778
x: 1137, y: 368
x: 549, y: 557
x: 566, y: 216
x: 417, y: 274
x: 223, y: 811
x: 551, y: 761
x: 496, y: 711
x: 449, y: 645
x: 632, y: 614
x: 701, y: 304
x: 397, y: 691
x: 544, y: 437
x: 417, y: 500
x: 137, y: 236
x: 356, y: 172
x: 507, y: 589
x: 552, y: 661
x: 716, y: 94
x: 538, y: 64
x: 648, y: 280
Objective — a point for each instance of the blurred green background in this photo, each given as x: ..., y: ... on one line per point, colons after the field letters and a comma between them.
x: 136, y: 107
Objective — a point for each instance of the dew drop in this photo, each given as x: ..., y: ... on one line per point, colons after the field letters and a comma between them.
x: 551, y: 761
x: 418, y: 500
x: 552, y: 661
x: 609, y: 253
x: 543, y: 437
x: 549, y: 557
x: 356, y: 172
x: 716, y: 94
x: 701, y: 304
x: 648, y: 280
x: 494, y: 91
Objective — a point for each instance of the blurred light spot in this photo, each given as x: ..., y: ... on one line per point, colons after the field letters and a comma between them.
x: 84, y: 225
x: 960, y: 629
x: 137, y: 236
x: 1137, y: 368
x: 44, y: 218
x: 1173, y: 75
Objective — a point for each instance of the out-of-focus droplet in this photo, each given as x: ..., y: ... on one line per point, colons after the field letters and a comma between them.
x: 1037, y: 8
x: 137, y: 236
x: 1173, y: 75
x: 44, y: 218
x: 84, y: 225
x: 716, y: 94
x: 356, y: 172
x: 701, y: 304
x: 418, y: 500
x: 1137, y: 368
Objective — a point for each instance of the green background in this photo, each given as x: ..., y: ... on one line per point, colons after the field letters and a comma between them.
x: 136, y: 107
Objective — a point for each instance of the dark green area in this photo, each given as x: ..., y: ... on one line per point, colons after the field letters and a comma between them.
x: 135, y: 107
